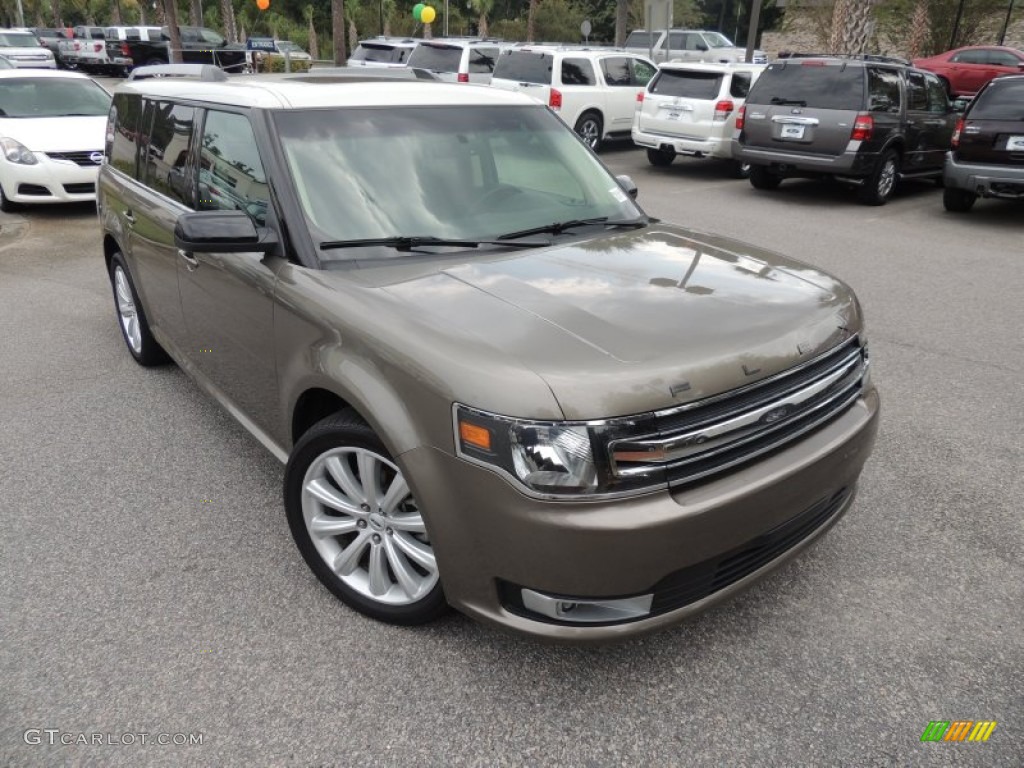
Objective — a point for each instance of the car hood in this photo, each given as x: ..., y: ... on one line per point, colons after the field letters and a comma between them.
x: 56, y: 134
x: 633, y: 322
x: 34, y: 50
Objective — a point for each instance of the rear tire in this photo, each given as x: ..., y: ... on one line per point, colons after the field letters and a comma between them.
x: 591, y: 129
x: 660, y: 158
x: 155, y: 62
x: 958, y: 200
x: 879, y: 186
x: 740, y: 169
x: 761, y: 177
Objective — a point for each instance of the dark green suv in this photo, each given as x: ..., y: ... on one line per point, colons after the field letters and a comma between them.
x: 863, y: 121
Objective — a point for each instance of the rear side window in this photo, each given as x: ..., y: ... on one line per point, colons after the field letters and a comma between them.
x: 917, y: 92
x: 688, y: 85
x: 578, y: 72
x: 740, y: 85
x: 642, y: 71
x: 810, y: 84
x: 1004, y: 59
x: 439, y: 58
x: 883, y: 90
x: 525, y: 67
x: 616, y: 71
x: 481, y: 60
x: 1000, y: 101
x: 642, y: 39
x: 373, y: 53
x: 938, y: 98
x: 166, y: 163
x: 122, y: 132
x: 231, y: 176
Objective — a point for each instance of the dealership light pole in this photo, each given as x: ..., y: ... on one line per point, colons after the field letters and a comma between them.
x: 1006, y: 24
x: 956, y: 24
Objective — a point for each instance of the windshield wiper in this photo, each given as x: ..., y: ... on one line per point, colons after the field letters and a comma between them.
x: 787, y: 102
x: 558, y: 227
x: 408, y: 242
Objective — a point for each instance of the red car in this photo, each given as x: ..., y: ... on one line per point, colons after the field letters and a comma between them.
x: 965, y: 70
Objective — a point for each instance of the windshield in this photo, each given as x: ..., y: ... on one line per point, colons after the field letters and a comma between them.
x: 455, y: 172
x: 437, y: 58
x: 716, y: 40
x: 18, y: 40
x: 374, y: 52
x: 51, y: 97
x: 209, y: 36
x: 286, y: 45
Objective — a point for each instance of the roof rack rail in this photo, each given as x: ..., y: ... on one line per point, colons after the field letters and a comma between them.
x: 876, y: 57
x: 206, y: 72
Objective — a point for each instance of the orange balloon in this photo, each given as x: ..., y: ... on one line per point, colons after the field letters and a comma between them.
x: 263, y: 4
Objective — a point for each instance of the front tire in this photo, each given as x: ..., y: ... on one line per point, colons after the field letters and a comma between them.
x: 6, y: 205
x: 660, y: 158
x: 879, y: 186
x: 357, y: 524
x: 958, y: 200
x: 591, y: 129
x: 132, y: 318
x: 761, y: 177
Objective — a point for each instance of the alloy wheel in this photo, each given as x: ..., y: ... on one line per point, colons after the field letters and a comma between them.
x: 126, y: 310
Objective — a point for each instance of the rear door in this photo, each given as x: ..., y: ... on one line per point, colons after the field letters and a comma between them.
x: 620, y: 95
x: 805, y: 106
x: 941, y: 123
x: 525, y: 71
x: 681, y: 102
x: 970, y: 71
x: 993, y: 129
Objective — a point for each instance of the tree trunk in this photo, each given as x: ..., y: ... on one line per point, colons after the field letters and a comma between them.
x: 115, y: 13
x: 58, y: 22
x: 919, y: 26
x: 226, y: 21
x: 338, y: 31
x: 353, y: 35
x: 531, y: 20
x: 171, y: 21
x: 852, y: 24
x: 195, y: 12
x: 428, y: 33
x: 621, y: 21
x: 481, y: 27
x: 314, y: 43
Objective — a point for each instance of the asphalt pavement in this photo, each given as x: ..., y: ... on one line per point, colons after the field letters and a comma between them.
x: 148, y: 582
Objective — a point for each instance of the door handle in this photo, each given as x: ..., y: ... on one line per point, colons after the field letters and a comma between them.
x: 129, y: 217
x: 191, y: 263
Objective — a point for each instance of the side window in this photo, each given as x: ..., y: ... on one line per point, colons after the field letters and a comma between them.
x: 642, y: 72
x: 693, y: 42
x: 883, y: 90
x: 616, y: 70
x: 917, y: 94
x: 938, y: 99
x: 970, y: 57
x: 740, y: 86
x: 676, y: 40
x: 231, y: 176
x: 481, y: 60
x: 167, y: 167
x: 578, y: 72
x: 1003, y: 59
x: 122, y: 132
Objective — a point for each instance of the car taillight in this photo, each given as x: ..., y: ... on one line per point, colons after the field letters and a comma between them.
x: 463, y: 77
x: 555, y: 99
x: 640, y: 97
x: 863, y: 127
x: 723, y: 109
x: 97, y: 47
x: 125, y: 50
x: 957, y: 131
x: 740, y: 117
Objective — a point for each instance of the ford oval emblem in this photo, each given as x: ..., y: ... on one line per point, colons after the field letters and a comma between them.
x: 96, y: 158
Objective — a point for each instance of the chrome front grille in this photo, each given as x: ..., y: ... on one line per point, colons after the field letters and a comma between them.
x: 709, y: 436
x: 89, y: 157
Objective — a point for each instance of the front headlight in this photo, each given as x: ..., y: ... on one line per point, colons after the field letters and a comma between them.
x: 17, y: 153
x: 557, y: 459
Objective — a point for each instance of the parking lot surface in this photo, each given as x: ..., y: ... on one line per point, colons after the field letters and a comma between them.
x: 150, y: 585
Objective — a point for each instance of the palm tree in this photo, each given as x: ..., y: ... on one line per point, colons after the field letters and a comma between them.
x: 171, y: 21
x: 483, y: 7
x: 338, y: 31
x: 227, y: 21
x: 531, y: 20
x: 621, y: 21
x: 919, y: 28
x: 314, y: 43
x: 852, y: 24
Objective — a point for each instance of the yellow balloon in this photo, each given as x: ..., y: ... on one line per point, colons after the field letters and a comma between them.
x: 428, y: 15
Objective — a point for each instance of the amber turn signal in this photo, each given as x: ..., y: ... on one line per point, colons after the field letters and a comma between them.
x: 478, y: 437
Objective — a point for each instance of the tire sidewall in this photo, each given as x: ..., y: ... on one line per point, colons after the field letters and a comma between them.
x: 151, y: 352
x: 590, y: 117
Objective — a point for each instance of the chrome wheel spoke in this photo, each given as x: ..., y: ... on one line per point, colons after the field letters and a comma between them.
x: 323, y: 525
x: 396, y: 493
x: 379, y: 582
x: 348, y: 559
x: 342, y: 475
x: 415, y: 550
x: 328, y: 496
x: 408, y: 521
x: 408, y: 579
x: 369, y: 476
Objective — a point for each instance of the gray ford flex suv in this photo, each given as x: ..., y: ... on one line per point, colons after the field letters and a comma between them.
x: 496, y: 384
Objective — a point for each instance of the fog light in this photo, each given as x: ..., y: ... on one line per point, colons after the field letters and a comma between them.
x: 585, y: 610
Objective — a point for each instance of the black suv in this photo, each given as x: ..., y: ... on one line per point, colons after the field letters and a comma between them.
x: 988, y: 147
x: 860, y: 120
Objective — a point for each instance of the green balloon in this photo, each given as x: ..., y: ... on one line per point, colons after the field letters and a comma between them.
x: 417, y: 10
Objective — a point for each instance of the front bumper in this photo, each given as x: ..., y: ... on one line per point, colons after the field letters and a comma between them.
x: 48, y: 181
x: 33, y: 63
x: 492, y: 542
x: 713, y: 146
x: 984, y: 180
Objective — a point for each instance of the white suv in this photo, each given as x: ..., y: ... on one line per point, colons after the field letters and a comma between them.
x: 456, y: 60
x: 593, y: 91
x: 690, y: 109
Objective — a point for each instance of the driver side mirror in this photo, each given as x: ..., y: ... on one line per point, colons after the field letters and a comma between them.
x: 221, y: 232
x: 959, y: 105
x: 628, y: 186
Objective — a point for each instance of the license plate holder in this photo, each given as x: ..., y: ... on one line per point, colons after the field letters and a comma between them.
x: 792, y: 131
x: 1015, y: 143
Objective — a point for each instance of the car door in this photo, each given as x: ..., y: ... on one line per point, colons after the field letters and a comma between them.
x: 970, y: 71
x: 919, y: 123
x: 227, y: 298
x: 941, y: 123
x: 620, y: 95
x: 151, y: 210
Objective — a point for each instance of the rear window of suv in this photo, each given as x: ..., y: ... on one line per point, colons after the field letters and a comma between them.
x: 1000, y: 101
x: 439, y: 58
x: 382, y: 53
x: 525, y: 67
x: 810, y: 84
x: 690, y: 85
